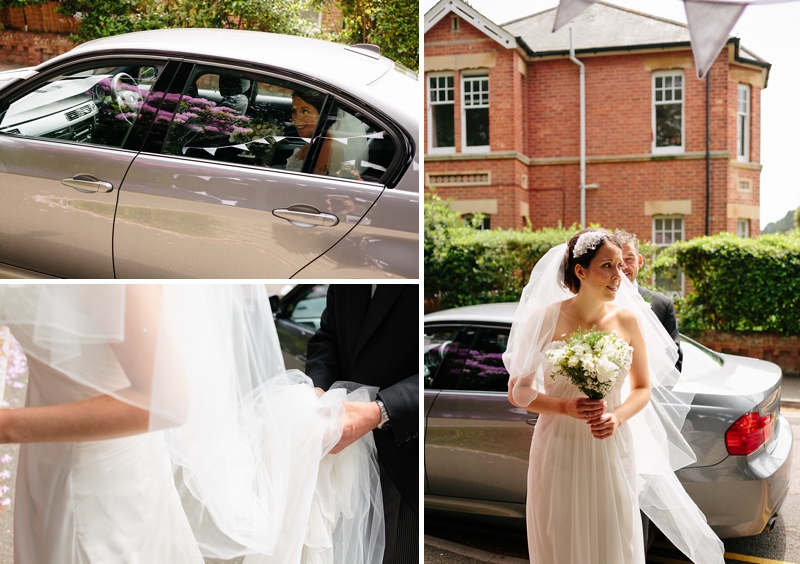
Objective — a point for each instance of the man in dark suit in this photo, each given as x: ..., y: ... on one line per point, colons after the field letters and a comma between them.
x: 662, y: 306
x: 370, y: 334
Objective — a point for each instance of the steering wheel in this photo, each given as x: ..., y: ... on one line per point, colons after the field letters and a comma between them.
x: 126, y: 93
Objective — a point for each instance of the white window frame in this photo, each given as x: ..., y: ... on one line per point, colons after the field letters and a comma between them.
x: 682, y: 236
x: 431, y: 149
x: 743, y: 129
x: 466, y: 76
x: 671, y: 149
x: 743, y: 228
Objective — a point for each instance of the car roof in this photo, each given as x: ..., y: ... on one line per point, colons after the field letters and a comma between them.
x: 332, y: 62
x: 484, y: 313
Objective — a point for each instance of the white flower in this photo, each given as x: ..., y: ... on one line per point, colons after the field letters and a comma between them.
x: 606, y: 370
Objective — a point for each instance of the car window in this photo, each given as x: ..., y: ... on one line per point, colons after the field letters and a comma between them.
x: 96, y: 105
x: 244, y: 119
x: 474, y: 362
x: 437, y: 342
x: 308, y: 307
x: 353, y: 146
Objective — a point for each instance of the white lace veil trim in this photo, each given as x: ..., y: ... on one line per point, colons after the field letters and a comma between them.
x: 248, y: 440
x: 660, y: 447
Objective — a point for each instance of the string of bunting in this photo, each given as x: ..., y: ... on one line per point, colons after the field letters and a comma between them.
x: 278, y: 138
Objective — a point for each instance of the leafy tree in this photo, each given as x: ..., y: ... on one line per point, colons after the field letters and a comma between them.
x: 102, y: 18
x: 783, y: 225
x: 391, y: 24
x: 797, y: 218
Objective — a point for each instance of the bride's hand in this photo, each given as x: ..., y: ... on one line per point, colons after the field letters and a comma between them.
x: 605, y: 426
x: 584, y: 408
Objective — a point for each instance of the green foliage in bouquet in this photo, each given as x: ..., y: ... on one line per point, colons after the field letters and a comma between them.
x: 591, y: 359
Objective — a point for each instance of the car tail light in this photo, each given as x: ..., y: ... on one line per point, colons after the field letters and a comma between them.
x: 748, y: 433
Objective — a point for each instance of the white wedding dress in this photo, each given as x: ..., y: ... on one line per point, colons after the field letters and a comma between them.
x: 584, y: 494
x: 582, y: 503
x: 236, y: 462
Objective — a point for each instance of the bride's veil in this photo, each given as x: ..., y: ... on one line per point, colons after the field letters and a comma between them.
x: 247, y: 440
x: 660, y: 448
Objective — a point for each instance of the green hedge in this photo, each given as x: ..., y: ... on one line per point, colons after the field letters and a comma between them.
x: 739, y: 284
x: 465, y: 266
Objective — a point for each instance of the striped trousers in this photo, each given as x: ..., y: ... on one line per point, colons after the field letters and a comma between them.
x: 402, y: 525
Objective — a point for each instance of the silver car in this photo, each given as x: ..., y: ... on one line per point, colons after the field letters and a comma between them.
x: 208, y: 153
x: 477, y: 443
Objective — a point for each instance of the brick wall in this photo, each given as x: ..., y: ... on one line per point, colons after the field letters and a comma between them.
x: 25, y: 49
x: 783, y: 351
x: 536, y: 115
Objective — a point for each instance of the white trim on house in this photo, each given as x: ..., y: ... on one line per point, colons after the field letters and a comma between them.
x: 743, y: 123
x: 675, y: 234
x: 431, y: 149
x: 743, y: 228
x: 475, y: 78
x: 671, y: 92
x: 470, y: 15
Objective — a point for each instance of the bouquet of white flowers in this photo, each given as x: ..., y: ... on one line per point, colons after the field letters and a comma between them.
x: 592, y: 360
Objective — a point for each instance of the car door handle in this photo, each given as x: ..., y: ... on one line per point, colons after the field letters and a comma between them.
x: 87, y: 184
x: 306, y: 216
x: 532, y: 421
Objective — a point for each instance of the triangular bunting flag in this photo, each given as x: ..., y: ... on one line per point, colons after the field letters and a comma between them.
x: 569, y: 10
x: 211, y: 150
x: 710, y: 23
x: 376, y: 135
x: 365, y: 164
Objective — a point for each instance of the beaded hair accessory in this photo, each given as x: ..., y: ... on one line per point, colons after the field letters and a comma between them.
x: 587, y: 241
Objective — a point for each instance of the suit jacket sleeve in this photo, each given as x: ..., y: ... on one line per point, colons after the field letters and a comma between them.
x: 322, y: 364
x: 402, y: 406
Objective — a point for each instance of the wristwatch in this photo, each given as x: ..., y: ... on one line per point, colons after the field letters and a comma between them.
x: 384, y: 423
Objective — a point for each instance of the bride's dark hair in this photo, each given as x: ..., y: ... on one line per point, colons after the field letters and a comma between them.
x: 571, y: 280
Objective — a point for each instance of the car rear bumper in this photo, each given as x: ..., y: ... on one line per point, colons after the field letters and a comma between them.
x: 741, y: 494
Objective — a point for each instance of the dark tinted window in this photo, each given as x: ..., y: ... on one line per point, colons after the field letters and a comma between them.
x: 475, y: 362
x: 437, y: 342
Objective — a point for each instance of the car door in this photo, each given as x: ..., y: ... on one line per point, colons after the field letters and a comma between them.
x: 65, y: 145
x: 223, y: 193
x: 476, y: 442
x: 297, y: 319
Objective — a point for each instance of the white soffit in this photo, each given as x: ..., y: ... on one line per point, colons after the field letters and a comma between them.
x: 469, y: 15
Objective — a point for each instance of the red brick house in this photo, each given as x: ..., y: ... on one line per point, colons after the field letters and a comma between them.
x: 502, y: 126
